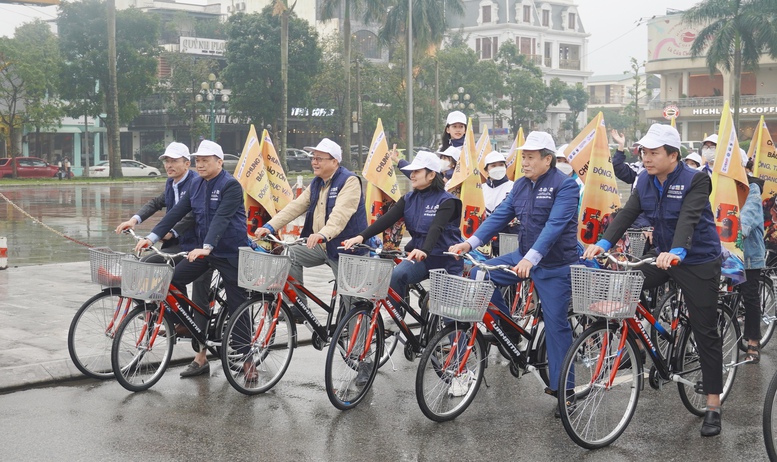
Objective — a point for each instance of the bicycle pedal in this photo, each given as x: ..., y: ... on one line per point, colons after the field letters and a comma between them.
x: 699, y: 388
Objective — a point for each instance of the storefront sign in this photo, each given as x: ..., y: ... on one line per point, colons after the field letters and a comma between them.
x: 715, y: 111
x: 671, y: 111
x: 202, y: 46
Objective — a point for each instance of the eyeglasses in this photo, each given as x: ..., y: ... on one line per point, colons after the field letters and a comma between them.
x: 318, y: 160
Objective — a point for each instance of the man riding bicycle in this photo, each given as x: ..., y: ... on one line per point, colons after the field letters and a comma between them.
x: 545, y: 202
x: 333, y: 205
x: 675, y: 199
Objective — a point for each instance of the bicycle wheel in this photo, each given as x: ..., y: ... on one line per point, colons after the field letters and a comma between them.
x: 257, y: 347
x: 137, y: 364
x: 770, y: 419
x: 389, y: 345
x: 768, y: 308
x: 605, y: 398
x: 448, y: 374
x: 689, y: 366
x: 352, y: 358
x: 91, y: 332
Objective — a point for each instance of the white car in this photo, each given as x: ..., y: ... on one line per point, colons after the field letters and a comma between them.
x: 129, y: 167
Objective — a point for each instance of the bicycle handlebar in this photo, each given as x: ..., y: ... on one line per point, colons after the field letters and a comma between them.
x: 613, y: 257
x: 482, y: 265
x: 379, y: 250
x: 275, y: 240
x: 165, y: 255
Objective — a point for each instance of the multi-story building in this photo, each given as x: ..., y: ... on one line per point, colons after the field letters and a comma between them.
x: 688, y: 89
x: 550, y: 33
x: 619, y: 90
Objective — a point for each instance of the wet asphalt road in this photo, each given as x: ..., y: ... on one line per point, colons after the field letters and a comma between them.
x: 203, y: 418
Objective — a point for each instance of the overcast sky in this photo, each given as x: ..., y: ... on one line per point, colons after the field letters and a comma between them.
x: 615, y: 27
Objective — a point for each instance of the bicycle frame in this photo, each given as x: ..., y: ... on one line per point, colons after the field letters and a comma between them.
x: 324, y: 332
x: 417, y: 342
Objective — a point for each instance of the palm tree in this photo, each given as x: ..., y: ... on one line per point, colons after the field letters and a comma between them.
x: 370, y: 9
x: 735, y: 34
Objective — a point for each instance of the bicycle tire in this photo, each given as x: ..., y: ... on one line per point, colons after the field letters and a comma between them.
x: 688, y: 366
x: 255, y: 353
x: 768, y: 309
x: 91, y: 333
x: 352, y: 352
x: 444, y: 385
x: 135, y: 366
x: 600, y: 413
x: 770, y: 419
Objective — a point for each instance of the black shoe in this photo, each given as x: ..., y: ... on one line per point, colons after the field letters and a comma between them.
x: 711, y: 425
x: 363, y: 373
x: 571, y: 403
x: 194, y: 369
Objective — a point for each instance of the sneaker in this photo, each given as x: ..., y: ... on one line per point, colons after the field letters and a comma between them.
x: 459, y: 385
x: 363, y: 373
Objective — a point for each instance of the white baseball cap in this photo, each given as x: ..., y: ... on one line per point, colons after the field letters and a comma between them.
x: 712, y: 139
x: 560, y: 151
x: 456, y: 117
x: 659, y: 135
x: 493, y: 157
x: 537, y: 141
x: 328, y: 146
x: 209, y: 148
x: 694, y: 157
x: 424, y: 159
x: 452, y: 152
x: 176, y: 150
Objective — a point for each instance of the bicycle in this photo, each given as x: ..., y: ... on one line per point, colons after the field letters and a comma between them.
x: 268, y: 318
x: 350, y: 366
x: 143, y: 343
x: 603, y: 369
x: 451, y: 368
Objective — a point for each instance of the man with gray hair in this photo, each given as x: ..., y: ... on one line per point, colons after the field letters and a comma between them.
x: 333, y: 205
x: 545, y: 203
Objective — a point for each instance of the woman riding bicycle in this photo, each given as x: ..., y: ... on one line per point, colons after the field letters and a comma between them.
x: 432, y: 216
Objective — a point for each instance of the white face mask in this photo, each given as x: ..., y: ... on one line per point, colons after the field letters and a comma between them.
x: 445, y: 164
x: 497, y: 173
x: 708, y: 153
x: 566, y: 169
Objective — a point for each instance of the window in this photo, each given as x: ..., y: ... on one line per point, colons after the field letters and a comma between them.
x: 527, y: 13
x: 546, y: 18
x: 367, y: 43
x: 572, y: 21
x: 486, y: 14
x: 487, y: 47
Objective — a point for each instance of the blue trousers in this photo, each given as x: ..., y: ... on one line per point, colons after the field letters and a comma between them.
x: 554, y: 287
x: 408, y: 272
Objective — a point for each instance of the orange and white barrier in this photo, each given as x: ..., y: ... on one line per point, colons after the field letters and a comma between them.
x: 299, y: 186
x: 3, y: 253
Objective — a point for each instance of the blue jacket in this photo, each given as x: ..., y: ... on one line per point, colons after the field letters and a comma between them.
x: 357, y: 222
x: 751, y: 218
x: 628, y: 174
x: 219, y: 215
x: 420, y: 209
x: 188, y: 239
x: 693, y: 230
x: 547, y: 210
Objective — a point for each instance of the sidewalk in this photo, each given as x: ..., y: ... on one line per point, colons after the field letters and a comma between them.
x: 37, y: 304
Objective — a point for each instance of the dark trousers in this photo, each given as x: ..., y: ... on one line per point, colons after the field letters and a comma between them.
x: 752, y: 301
x: 699, y: 284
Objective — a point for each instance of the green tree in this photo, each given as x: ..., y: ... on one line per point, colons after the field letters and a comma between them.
x: 369, y: 10
x: 735, y: 34
x: 29, y: 64
x: 633, y: 110
x: 528, y: 96
x: 178, y: 92
x: 83, y: 44
x: 576, y: 97
x: 253, y: 70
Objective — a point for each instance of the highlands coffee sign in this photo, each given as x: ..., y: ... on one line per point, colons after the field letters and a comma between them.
x: 716, y: 111
x: 201, y: 46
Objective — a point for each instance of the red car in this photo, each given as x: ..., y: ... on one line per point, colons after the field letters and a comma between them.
x: 27, y: 167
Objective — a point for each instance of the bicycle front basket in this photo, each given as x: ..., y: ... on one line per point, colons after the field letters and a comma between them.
x: 105, y: 266
x: 262, y: 272
x: 145, y: 281
x: 364, y: 277
x: 458, y: 298
x: 605, y: 293
x: 508, y: 243
x: 637, y: 241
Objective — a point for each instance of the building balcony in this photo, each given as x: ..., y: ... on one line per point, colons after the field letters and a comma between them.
x: 548, y: 61
x: 573, y: 64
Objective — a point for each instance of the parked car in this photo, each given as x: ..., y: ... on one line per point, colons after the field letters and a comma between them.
x: 298, y: 160
x: 27, y: 167
x: 230, y: 163
x: 129, y: 167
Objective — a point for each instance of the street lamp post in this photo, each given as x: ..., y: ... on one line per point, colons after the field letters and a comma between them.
x: 210, y: 91
x: 461, y: 101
